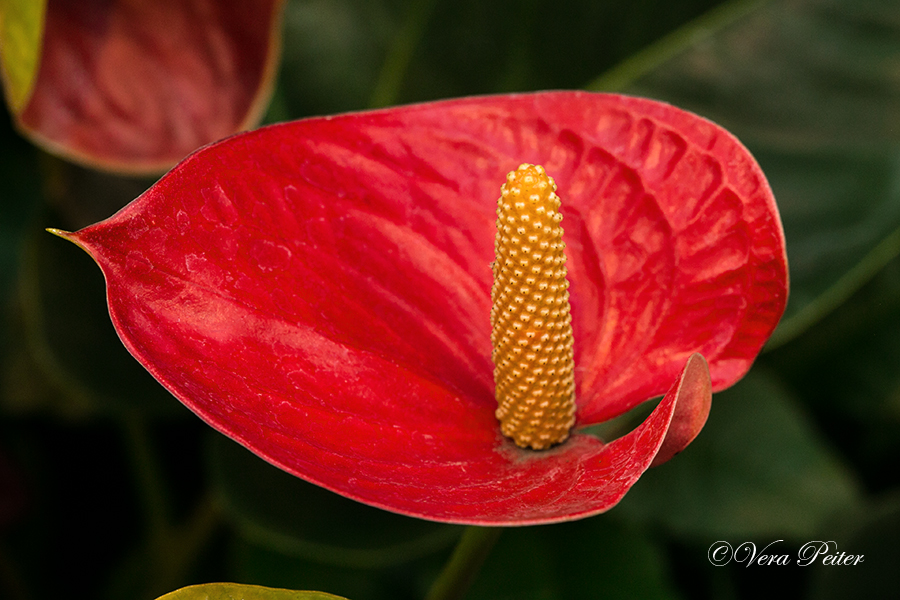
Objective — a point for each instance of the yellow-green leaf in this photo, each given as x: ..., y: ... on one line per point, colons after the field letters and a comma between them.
x: 236, y: 591
x: 21, y: 29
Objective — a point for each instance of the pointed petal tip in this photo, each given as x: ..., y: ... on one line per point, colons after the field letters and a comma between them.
x: 693, y: 392
x: 70, y: 236
x: 66, y: 235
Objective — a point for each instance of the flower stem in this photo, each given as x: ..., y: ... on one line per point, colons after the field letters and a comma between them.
x: 459, y: 572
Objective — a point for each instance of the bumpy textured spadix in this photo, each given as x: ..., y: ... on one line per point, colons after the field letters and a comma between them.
x: 530, y: 317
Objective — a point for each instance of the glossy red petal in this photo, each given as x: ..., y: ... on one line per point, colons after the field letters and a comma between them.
x: 136, y: 86
x: 319, y: 291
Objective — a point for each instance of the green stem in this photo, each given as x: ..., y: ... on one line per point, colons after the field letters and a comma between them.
x: 654, y: 55
x: 399, y: 55
x: 459, y: 572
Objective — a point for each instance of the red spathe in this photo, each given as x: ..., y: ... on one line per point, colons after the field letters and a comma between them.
x: 320, y: 291
x: 136, y: 86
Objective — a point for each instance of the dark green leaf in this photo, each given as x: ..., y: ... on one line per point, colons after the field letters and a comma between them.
x: 847, y: 369
x: 758, y: 468
x: 342, y: 55
x: 595, y: 558
x: 285, y: 513
x: 874, y: 536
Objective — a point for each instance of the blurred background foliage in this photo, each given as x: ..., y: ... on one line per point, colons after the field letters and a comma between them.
x: 111, y: 489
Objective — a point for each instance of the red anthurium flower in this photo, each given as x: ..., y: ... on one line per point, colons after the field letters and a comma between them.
x: 320, y: 292
x: 136, y: 86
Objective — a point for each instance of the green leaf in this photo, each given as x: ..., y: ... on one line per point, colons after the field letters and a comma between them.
x: 235, y: 591
x: 284, y: 513
x: 600, y: 557
x: 847, y: 369
x: 758, y: 468
x: 342, y: 55
x: 509, y: 45
x: 811, y: 88
x: 21, y: 30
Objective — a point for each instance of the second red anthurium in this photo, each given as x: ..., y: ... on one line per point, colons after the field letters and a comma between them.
x: 133, y: 87
x: 320, y: 291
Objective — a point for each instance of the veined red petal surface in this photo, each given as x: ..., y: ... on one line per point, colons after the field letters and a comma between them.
x: 136, y: 86
x: 319, y: 291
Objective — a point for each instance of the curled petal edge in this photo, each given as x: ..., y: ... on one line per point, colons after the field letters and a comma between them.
x: 693, y: 392
x: 610, y: 470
